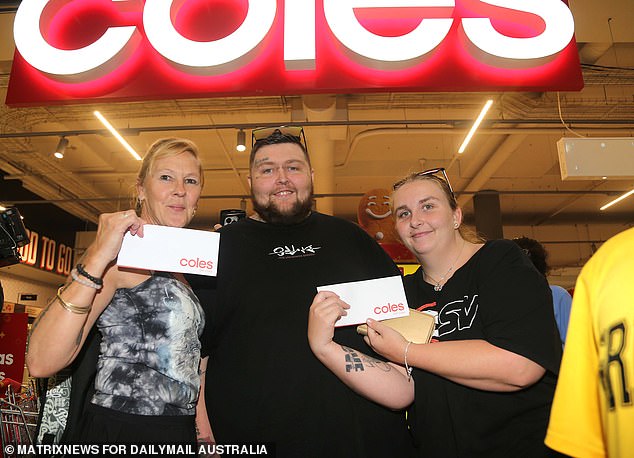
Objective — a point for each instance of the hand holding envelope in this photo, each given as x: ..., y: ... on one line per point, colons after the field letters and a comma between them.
x: 110, y: 232
x: 171, y: 249
x: 382, y: 299
x: 379, y: 299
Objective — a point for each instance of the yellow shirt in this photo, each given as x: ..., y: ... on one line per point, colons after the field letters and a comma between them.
x: 593, y: 410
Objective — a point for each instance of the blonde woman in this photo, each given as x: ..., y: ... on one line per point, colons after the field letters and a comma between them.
x: 485, y: 385
x: 147, y: 381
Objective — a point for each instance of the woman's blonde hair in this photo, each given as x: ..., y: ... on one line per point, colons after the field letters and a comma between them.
x: 164, y: 147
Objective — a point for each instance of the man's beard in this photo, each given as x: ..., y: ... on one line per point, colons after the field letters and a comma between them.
x: 271, y: 214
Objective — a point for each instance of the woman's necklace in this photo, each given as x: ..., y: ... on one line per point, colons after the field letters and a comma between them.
x: 438, y: 283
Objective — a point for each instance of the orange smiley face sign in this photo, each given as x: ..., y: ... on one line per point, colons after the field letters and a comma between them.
x: 375, y: 215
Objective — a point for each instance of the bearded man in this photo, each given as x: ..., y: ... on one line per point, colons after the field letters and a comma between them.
x: 263, y: 384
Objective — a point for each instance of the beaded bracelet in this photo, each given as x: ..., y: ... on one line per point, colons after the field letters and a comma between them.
x: 407, y: 367
x: 81, y: 271
x: 72, y: 307
x: 81, y: 281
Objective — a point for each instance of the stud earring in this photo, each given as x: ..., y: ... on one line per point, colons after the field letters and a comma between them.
x: 456, y: 225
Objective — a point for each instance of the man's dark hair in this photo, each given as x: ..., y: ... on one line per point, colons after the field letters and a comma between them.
x: 276, y: 138
x: 536, y: 252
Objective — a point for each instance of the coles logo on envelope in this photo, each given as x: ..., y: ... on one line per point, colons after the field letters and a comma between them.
x: 380, y: 299
x: 171, y: 249
x: 389, y: 308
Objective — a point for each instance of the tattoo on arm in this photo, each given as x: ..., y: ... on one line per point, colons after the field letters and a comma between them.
x: 40, y: 317
x: 373, y: 362
x: 201, y: 439
x: 79, y: 336
x: 47, y: 308
x: 353, y: 361
x: 358, y: 363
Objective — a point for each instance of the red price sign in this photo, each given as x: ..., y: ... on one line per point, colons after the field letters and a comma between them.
x: 13, y: 332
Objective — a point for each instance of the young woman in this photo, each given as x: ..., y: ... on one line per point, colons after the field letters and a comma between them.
x: 484, y: 386
x: 147, y: 380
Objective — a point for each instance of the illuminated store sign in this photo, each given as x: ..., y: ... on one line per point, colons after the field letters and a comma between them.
x: 73, y: 50
x: 47, y: 254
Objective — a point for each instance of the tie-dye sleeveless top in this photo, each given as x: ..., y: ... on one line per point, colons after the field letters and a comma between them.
x: 148, y: 364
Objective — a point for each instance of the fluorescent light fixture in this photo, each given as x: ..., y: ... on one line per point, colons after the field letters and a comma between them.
x: 61, y: 148
x: 618, y: 199
x: 475, y: 126
x: 2, y: 208
x: 241, y: 141
x: 117, y: 135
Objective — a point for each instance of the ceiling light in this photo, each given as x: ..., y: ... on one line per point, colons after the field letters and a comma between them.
x: 61, y: 148
x: 241, y: 141
x: 477, y: 122
x: 618, y: 199
x: 117, y: 135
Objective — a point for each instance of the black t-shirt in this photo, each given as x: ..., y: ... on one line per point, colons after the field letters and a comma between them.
x: 263, y: 381
x: 497, y: 296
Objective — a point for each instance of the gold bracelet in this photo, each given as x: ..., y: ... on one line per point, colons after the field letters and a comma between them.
x: 71, y: 307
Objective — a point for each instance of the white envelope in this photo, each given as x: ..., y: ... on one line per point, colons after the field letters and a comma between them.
x: 171, y: 249
x: 379, y: 299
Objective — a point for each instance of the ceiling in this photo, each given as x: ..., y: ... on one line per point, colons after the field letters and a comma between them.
x: 374, y: 139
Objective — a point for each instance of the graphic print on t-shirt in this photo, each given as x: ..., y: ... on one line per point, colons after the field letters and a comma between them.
x: 292, y: 251
x: 453, y: 316
x: 457, y: 315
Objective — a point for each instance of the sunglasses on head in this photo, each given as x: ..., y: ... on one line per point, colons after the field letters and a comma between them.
x: 293, y: 133
x: 433, y: 172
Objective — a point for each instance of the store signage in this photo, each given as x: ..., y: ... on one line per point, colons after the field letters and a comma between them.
x: 74, y: 50
x: 47, y: 254
x: 13, y: 331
